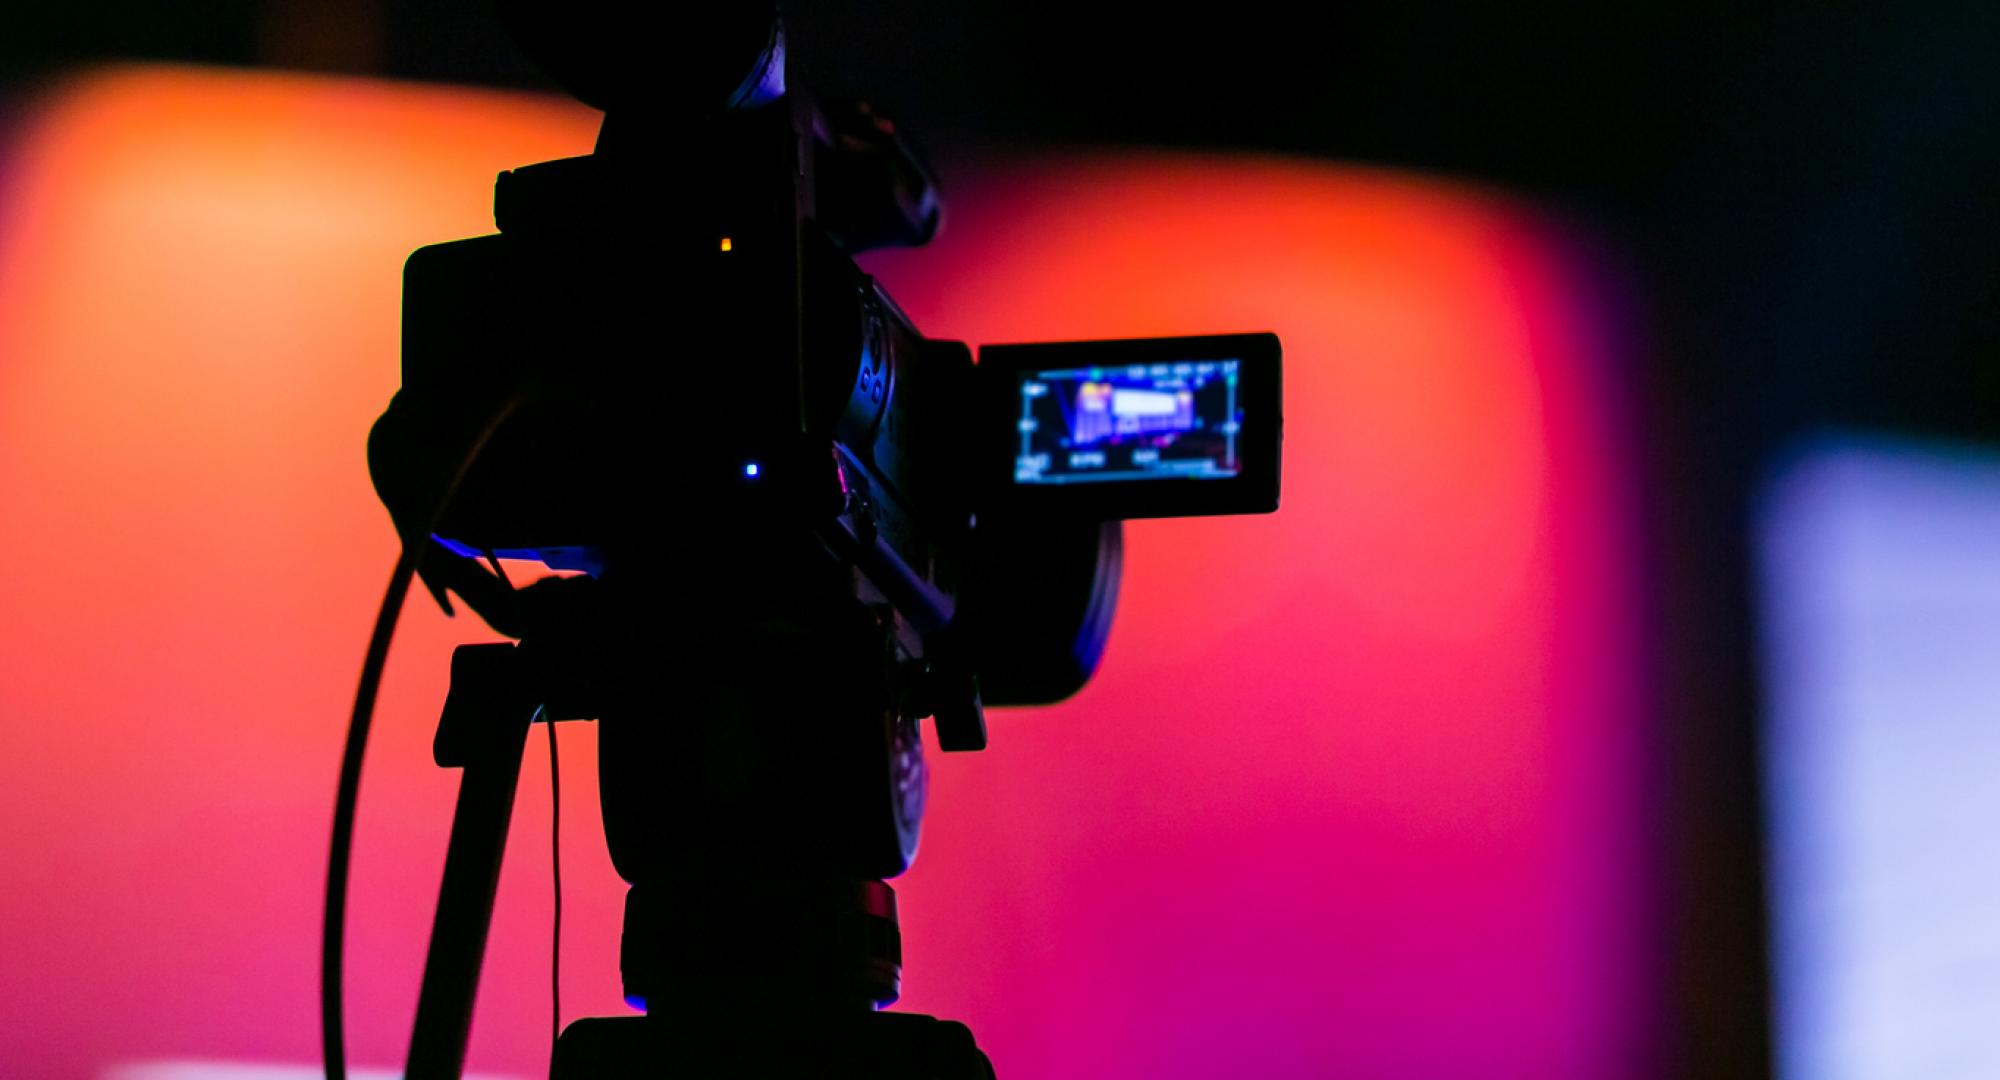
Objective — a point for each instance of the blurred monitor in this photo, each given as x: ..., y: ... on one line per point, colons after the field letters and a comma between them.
x: 1880, y: 582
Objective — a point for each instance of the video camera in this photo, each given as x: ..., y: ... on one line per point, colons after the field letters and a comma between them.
x: 797, y: 527
x: 697, y: 351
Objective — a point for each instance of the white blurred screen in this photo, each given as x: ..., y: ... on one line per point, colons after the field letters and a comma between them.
x: 1880, y: 581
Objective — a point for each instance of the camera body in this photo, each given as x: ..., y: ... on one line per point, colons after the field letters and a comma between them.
x: 697, y: 356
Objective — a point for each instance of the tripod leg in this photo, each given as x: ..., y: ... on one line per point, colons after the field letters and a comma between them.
x: 484, y: 730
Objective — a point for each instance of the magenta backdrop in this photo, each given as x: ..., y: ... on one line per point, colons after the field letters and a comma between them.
x: 1358, y: 790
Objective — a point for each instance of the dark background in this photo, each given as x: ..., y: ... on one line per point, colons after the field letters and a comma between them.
x: 1804, y: 195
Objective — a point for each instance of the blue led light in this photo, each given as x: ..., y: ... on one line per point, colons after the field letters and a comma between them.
x: 751, y: 469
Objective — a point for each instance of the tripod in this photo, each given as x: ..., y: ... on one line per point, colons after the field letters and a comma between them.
x: 759, y: 936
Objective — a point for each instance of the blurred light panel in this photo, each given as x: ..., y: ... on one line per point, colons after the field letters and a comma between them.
x: 1881, y: 592
x: 1358, y: 791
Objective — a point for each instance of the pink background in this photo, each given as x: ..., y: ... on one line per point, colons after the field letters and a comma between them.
x: 1357, y: 791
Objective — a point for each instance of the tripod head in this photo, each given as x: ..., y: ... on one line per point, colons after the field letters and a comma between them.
x: 803, y: 527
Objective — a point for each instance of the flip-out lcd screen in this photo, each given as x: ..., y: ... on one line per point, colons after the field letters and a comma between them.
x: 1143, y: 427
x: 1130, y: 422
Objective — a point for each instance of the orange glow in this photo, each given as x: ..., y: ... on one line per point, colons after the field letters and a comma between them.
x: 200, y: 277
x: 1357, y: 790
x: 728, y: 244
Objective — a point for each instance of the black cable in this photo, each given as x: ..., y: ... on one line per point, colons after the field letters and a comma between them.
x: 333, y: 928
x: 555, y: 853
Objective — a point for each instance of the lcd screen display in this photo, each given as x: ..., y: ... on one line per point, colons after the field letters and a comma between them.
x: 1129, y: 422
